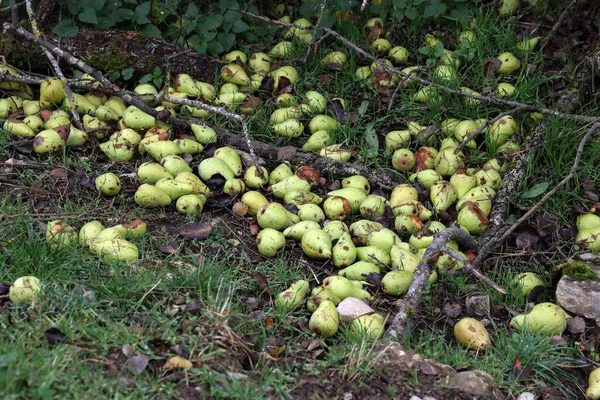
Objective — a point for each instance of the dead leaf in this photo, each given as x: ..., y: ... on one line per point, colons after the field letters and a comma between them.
x: 269, y: 323
x: 178, y: 362
x: 195, y: 306
x: 171, y: 248
x: 127, y: 350
x: 254, y: 229
x: 55, y: 336
x: 452, y: 310
x: 196, y: 230
x: 181, y: 350
x: 426, y: 368
x: 138, y: 363
x: 275, y: 347
x: 314, y: 344
x: 491, y: 66
x: 286, y: 153
x: 261, y: 282
x: 591, y: 196
x: 59, y: 173
x: 219, y: 201
x: 546, y: 224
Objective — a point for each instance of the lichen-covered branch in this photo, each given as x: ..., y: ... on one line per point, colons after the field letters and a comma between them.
x: 409, y: 303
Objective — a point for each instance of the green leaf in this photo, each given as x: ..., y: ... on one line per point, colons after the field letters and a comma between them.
x: 364, y: 106
x: 152, y: 30
x: 231, y: 17
x: 127, y: 73
x: 239, y: 26
x: 74, y: 6
x: 121, y: 14
x: 143, y: 9
x: 536, y: 190
x: 66, y: 28
x: 209, y: 23
x: 434, y: 9
x: 88, y: 16
x: 114, y: 75
x: 371, y: 139
x: 145, y: 79
x: 411, y: 13
x: 142, y: 20
x: 460, y: 13
x: 192, y: 10
x: 208, y: 36
x: 227, y: 40
x: 97, y: 4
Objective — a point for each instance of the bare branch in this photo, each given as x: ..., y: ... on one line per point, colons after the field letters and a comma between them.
x: 474, y: 271
x: 312, y: 39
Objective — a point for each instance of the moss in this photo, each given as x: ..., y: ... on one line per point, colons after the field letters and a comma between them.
x: 578, y: 270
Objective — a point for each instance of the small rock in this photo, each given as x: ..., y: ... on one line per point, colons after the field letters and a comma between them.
x: 407, y: 360
x: 557, y: 340
x: 429, y: 398
x: 580, y: 297
x: 351, y: 308
x: 576, y: 325
x: 478, y: 305
x: 348, y: 396
x: 414, y: 398
x: 526, y: 396
x: 476, y: 382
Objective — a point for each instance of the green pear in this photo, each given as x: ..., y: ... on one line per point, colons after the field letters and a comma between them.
x: 335, y: 229
x: 59, y: 233
x: 508, y: 7
x: 282, y: 49
x: 114, y: 250
x: 412, y: 207
x: 117, y: 105
x: 162, y: 148
x: 293, y: 296
x: 310, y: 212
x: 298, y: 230
x: 290, y: 128
x: 127, y: 134
x: 204, y: 134
x: 270, y: 242
x: 396, y: 282
x: 232, y: 158
x: 122, y: 151
x: 149, y: 196
x: 213, y: 166
x: 325, y: 320
x: 343, y: 287
x: 280, y: 173
x: 294, y: 182
x: 407, y: 224
x: 233, y: 56
x: 318, y: 295
x: 398, y: 54
x: 108, y: 184
x: 287, y: 71
x: 152, y: 172
x: 344, y: 252
x: 472, y: 218
x: 234, y: 73
x: 89, y: 231
x: 253, y: 178
x: 337, y: 208
x: 527, y: 281
x: 403, y: 259
x: 190, y: 204
x: 488, y: 177
x: 255, y: 201
x: 403, y: 193
x: 426, y: 177
x: 447, y: 163
x: 316, y: 101
x: 186, y: 84
x: 174, y: 189
x: 398, y: 139
x: 442, y: 195
x: 502, y: 130
x: 18, y: 127
x: 588, y: 221
x: 371, y: 327
x: 299, y: 197
x: 322, y: 123
x: 137, y: 120
x: 545, y: 319
x: 24, y: 290
x: 259, y: 62
x: 174, y: 165
x: 363, y: 73
x: 189, y: 146
x: 509, y: 63
x: 317, y: 244
x: 334, y: 57
x: 358, y: 271
x: 373, y: 255
x: 48, y: 141
x: 362, y: 228
x: 593, y: 389
x: 589, y: 239
x: 135, y: 229
x: 373, y: 206
x: 462, y: 184
x: 354, y: 196
x: 234, y: 187
x: 382, y: 238
x: 274, y: 215
x: 114, y: 232
x: 52, y: 92
x: 403, y: 160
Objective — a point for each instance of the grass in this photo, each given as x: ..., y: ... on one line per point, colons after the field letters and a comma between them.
x: 103, y: 306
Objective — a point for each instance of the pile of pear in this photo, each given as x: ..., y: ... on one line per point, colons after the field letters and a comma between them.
x: 114, y: 243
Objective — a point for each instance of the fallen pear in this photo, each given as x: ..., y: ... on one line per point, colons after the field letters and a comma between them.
x: 59, y: 233
x: 190, y: 204
x: 373, y: 206
x: 325, y: 320
x: 337, y: 208
x: 298, y: 230
x: 442, y: 195
x: 593, y: 390
x: 234, y: 187
x: 114, y: 250
x: 270, y: 242
x: 24, y: 290
x: 354, y: 196
x: 174, y: 189
x: 471, y: 334
x: 293, y: 296
x: 108, y: 184
x: 359, y: 271
x: 370, y: 327
x: 294, y: 182
x: 317, y: 244
x: 152, y: 172
x: 396, y: 282
x: 175, y: 165
x: 214, y: 166
x: 89, y: 231
x: 136, y: 119
x: 231, y: 157
x: 299, y: 197
x: 254, y: 200
x: 403, y: 259
x: 526, y: 282
x: 254, y: 179
x: 280, y: 173
x: 234, y: 73
x: 545, y: 319
x: 343, y: 253
x: 373, y: 255
x: 335, y: 229
x: 310, y: 212
x: 318, y: 295
x: 149, y: 196
x: 274, y: 215
x: 383, y: 239
x: 343, y: 287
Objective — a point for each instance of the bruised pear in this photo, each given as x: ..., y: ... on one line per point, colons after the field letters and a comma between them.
x: 325, y: 320
x: 114, y: 249
x: 337, y: 208
x: 52, y: 92
x: 362, y: 228
x: 108, y: 184
x: 472, y: 218
x: 89, y: 231
x: 442, y: 196
x: 234, y: 187
x: 447, y: 163
x: 24, y: 290
x: 122, y: 151
x: 190, y: 204
x: 471, y: 334
x: 335, y: 229
x: 527, y: 281
x: 343, y: 287
x: 403, y: 193
x: 344, y: 251
x: 396, y: 282
x: 59, y: 233
x: 317, y: 244
x: 138, y: 120
x: 354, y: 196
x: 255, y: 201
x: 318, y: 295
x: 293, y: 296
x: 234, y: 73
x: 407, y: 224
x: 270, y: 242
x: 359, y: 271
x: 48, y: 141
x: 462, y: 183
x: 310, y: 212
x: 403, y: 160
x: 373, y: 206
x: 274, y: 215
x: 299, y: 198
x: 253, y: 178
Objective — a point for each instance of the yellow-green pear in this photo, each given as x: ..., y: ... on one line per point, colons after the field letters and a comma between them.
x: 344, y: 251
x: 318, y: 295
x: 48, y: 141
x: 204, y: 134
x: 442, y: 195
x: 403, y: 193
x: 509, y: 63
x: 186, y: 84
x: 152, y: 172
x: 254, y: 200
x: 335, y: 57
x: 274, y: 215
x: 282, y: 49
x: 398, y: 54
x: 298, y: 230
x: 593, y: 390
x: 59, y: 233
x: 89, y: 231
x: 270, y: 242
x: 471, y: 334
x: 52, y: 92
x: 335, y: 229
x: 527, y: 281
x: 310, y: 212
x: 114, y: 250
x: 343, y: 287
x: 232, y: 158
x: 397, y: 139
x: 294, y: 182
x: 122, y: 151
x: 382, y: 238
x: 189, y: 146
x: 447, y: 163
x: 359, y: 270
x: 138, y: 120
x: 472, y: 218
x: 337, y: 208
x: 214, y: 166
x: 234, y: 73
x: 174, y: 165
x: 588, y: 221
x: 234, y: 187
x: 362, y: 228
x: 322, y: 123
x: 373, y: 206
x: 299, y: 197
x: 24, y: 290
x: 396, y: 282
x: 354, y: 196
x: 403, y: 259
x: 281, y: 172
x: 114, y: 232
x: 462, y: 184
x: 259, y: 62
x: 108, y: 184
x: 290, y: 128
x: 190, y: 204
x: 373, y: 255
x: 149, y: 196
x: 317, y: 244
x: 502, y: 130
x: 371, y: 327
x: 325, y: 320
x: 545, y: 319
x: 508, y: 7
x: 293, y: 296
x: 174, y: 189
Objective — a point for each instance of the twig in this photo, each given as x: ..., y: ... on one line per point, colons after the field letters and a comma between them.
x: 487, y: 99
x: 562, y: 183
x: 9, y: 8
x: 56, y: 68
x: 400, y: 85
x: 558, y: 23
x: 474, y: 271
x: 490, y: 122
x: 14, y: 12
x: 312, y: 39
x: 364, y: 5
x: 409, y: 303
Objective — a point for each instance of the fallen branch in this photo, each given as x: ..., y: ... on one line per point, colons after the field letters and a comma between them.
x: 474, y: 271
x: 408, y: 304
x: 312, y: 39
x: 487, y: 99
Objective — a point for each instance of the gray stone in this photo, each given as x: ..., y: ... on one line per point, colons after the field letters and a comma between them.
x: 526, y: 396
x: 576, y: 325
x: 351, y: 308
x: 478, y: 305
x: 579, y: 297
x: 476, y: 382
x: 393, y: 354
